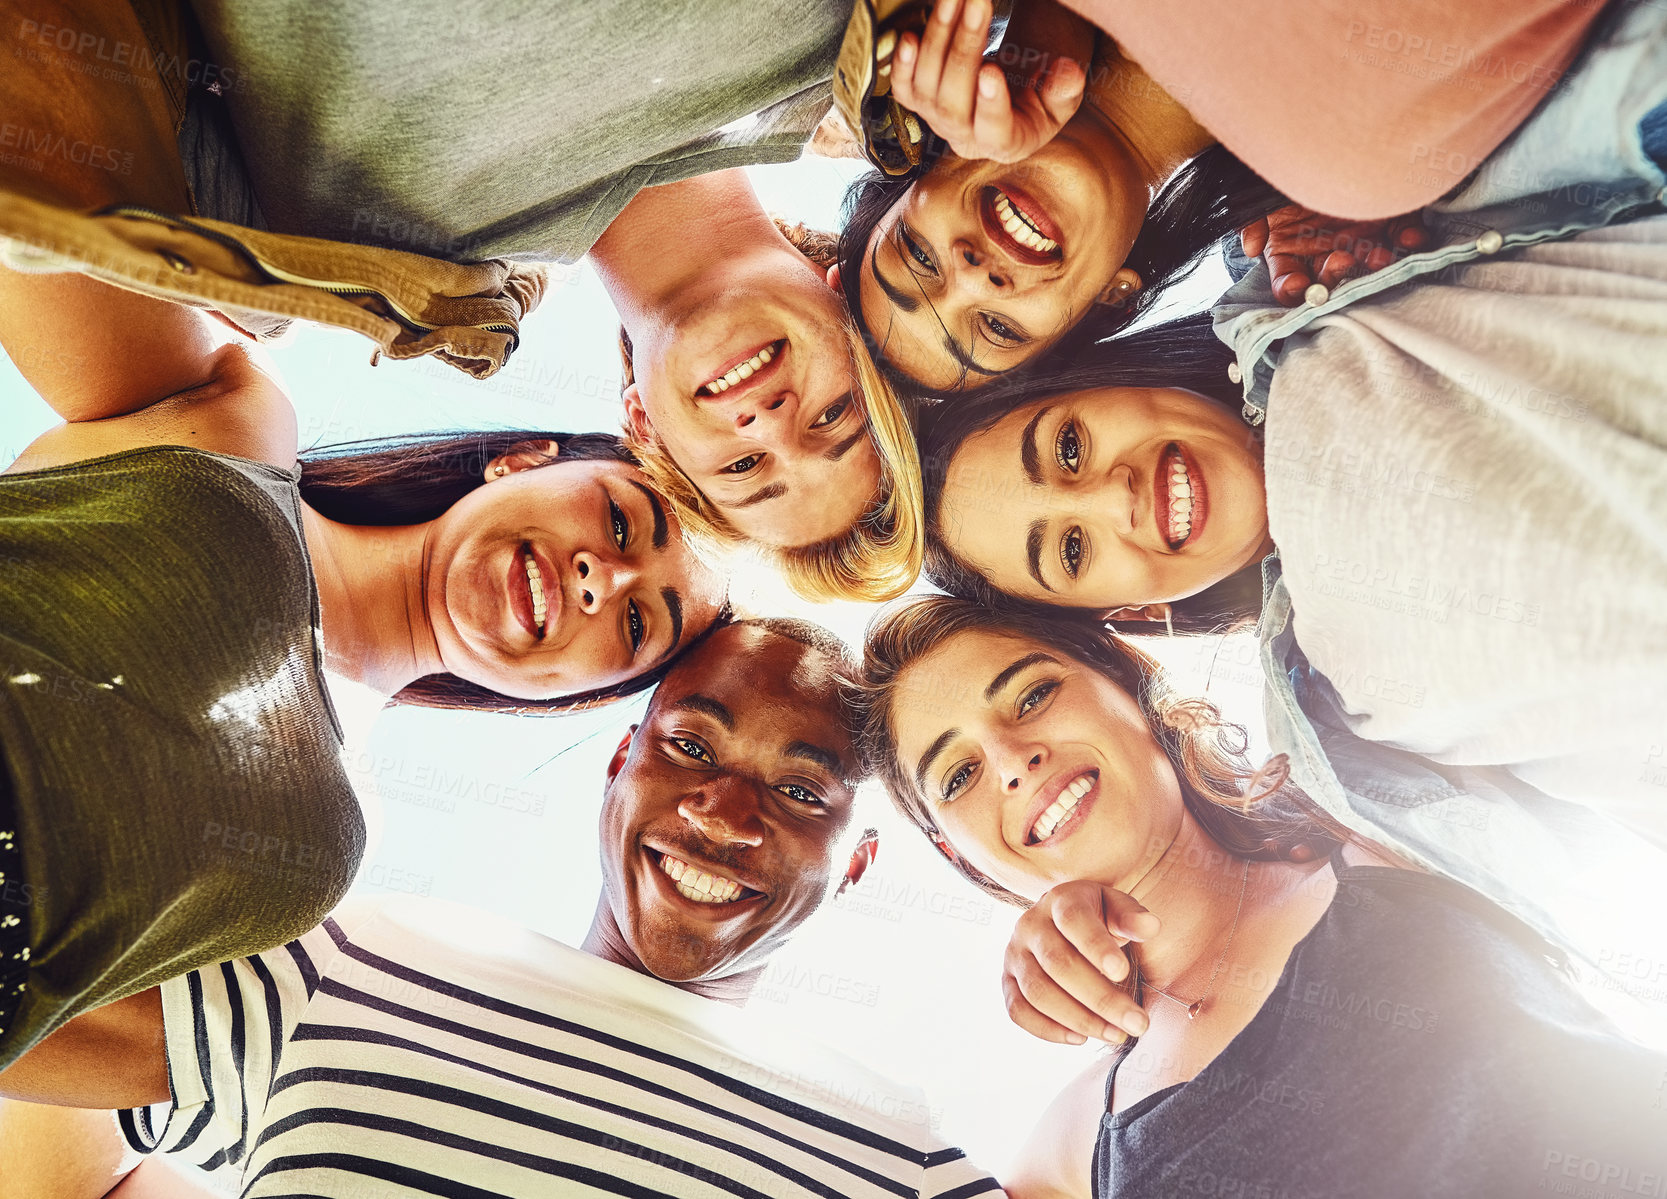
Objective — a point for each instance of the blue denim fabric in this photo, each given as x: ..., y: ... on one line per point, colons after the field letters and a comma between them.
x: 1578, y: 163
x: 1652, y: 134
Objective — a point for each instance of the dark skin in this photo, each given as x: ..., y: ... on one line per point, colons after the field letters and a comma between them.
x: 1303, y: 247
x: 743, y: 771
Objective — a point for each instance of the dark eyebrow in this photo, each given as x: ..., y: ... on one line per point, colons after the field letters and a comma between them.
x: 674, y: 606
x: 839, y: 451
x: 758, y: 497
x: 1033, y: 551
x: 825, y: 758
x: 932, y: 751
x: 901, y: 299
x: 660, y: 531
x: 707, y: 706
x: 1029, y: 459
x: 1006, y: 676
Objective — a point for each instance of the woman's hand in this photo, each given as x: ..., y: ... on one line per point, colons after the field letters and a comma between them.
x: 1065, y: 962
x: 941, y: 77
x: 1303, y: 247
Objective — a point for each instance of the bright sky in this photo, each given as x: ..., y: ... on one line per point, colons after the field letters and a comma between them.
x: 500, y: 812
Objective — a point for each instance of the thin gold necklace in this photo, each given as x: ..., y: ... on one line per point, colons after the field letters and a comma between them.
x: 1197, y: 1005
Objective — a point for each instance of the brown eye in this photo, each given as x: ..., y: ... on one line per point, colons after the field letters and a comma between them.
x: 1067, y: 449
x: 1070, y: 552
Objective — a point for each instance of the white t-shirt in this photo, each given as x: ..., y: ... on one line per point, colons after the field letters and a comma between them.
x: 415, y: 1047
x: 1467, y: 482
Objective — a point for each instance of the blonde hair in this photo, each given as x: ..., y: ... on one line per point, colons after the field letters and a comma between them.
x: 879, y: 557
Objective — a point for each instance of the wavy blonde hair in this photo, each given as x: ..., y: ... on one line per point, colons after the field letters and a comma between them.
x: 879, y: 557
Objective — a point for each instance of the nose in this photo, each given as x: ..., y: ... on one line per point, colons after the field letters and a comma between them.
x: 1116, y: 500
x: 725, y: 812
x: 601, y: 577
x: 980, y: 272
x: 1018, y: 763
x: 766, y: 416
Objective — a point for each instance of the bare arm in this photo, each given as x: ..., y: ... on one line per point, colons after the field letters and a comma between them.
x: 1056, y: 1161
x: 114, y: 1056
x: 126, y: 370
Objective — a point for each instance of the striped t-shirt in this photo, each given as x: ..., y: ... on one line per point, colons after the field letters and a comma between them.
x: 413, y: 1047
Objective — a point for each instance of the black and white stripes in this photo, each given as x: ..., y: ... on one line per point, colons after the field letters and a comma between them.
x: 411, y: 1047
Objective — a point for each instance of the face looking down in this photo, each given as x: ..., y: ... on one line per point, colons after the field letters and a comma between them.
x: 983, y: 265
x: 1108, y: 498
x: 561, y: 578
x: 751, y: 392
x: 720, y: 825
x: 1036, y: 768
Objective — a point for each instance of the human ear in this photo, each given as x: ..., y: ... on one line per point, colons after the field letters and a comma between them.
x: 523, y: 455
x: 636, y: 416
x: 1152, y: 612
x: 1121, y: 289
x: 621, y: 752
x: 862, y: 857
x: 833, y: 278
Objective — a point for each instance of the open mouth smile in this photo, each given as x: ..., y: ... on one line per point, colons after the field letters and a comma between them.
x: 1067, y: 807
x: 534, y: 591
x: 1179, y: 505
x: 699, y: 885
x: 754, y: 366
x: 1019, y: 226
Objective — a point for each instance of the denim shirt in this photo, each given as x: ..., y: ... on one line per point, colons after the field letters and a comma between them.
x: 1578, y: 164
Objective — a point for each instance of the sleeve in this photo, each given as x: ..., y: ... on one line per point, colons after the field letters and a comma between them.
x: 949, y: 1174
x: 225, y: 1029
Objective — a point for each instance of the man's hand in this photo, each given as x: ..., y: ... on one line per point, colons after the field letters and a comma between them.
x: 942, y: 78
x: 1065, y: 963
x: 1303, y: 247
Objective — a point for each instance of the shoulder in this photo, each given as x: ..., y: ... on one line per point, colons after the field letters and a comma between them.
x: 1057, y: 1160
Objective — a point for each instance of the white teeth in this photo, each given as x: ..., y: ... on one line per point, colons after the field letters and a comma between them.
x: 1060, y: 808
x: 1019, y: 227
x: 535, y: 588
x: 750, y: 367
x: 1180, y: 500
x: 697, y: 884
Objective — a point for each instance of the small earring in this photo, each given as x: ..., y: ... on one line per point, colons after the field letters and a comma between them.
x: 500, y: 470
x: 1124, y: 288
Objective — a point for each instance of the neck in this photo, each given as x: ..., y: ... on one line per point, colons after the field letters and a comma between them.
x: 1195, y: 890
x: 606, y: 941
x: 370, y: 592
x: 671, y: 238
x: 1159, y: 135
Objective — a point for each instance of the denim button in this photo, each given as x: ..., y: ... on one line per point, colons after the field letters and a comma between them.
x: 1317, y: 294
x: 1234, y: 373
x: 1489, y: 242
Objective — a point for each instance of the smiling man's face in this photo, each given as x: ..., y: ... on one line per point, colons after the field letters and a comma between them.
x: 719, y: 830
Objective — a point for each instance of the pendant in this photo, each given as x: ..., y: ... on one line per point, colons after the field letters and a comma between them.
x: 1193, y: 1008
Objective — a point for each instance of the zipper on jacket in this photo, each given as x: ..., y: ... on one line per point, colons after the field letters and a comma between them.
x: 414, y: 324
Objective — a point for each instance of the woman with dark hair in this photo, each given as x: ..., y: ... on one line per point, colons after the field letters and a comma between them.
x: 175, y: 585
x: 1284, y: 1002
x: 1080, y: 204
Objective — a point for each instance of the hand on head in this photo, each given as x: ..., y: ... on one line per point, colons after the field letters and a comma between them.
x: 942, y: 76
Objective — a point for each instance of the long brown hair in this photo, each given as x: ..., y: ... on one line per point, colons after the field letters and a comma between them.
x: 409, y: 479
x: 1250, y: 813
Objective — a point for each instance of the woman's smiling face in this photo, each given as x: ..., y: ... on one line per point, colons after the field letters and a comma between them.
x: 1111, y: 498
x: 980, y: 266
x: 1036, y: 767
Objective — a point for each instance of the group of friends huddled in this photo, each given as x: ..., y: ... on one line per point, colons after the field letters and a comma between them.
x: 1417, y: 450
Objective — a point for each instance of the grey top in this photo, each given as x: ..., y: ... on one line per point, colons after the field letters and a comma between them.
x: 1467, y: 482
x: 1418, y: 1042
x: 520, y: 129
x: 171, y: 755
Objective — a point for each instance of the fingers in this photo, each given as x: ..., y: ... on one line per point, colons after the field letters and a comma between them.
x: 1336, y: 267
x: 1034, y: 1022
x: 992, y: 122
x: 1253, y: 238
x: 1290, y: 278
x: 962, y: 61
x: 935, y: 72
x: 1060, y: 986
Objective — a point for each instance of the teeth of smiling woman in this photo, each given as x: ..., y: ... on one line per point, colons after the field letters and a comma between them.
x: 535, y: 588
x: 1019, y: 228
x: 697, y: 884
x: 1059, y: 809
x: 1180, y: 499
x: 751, y: 366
